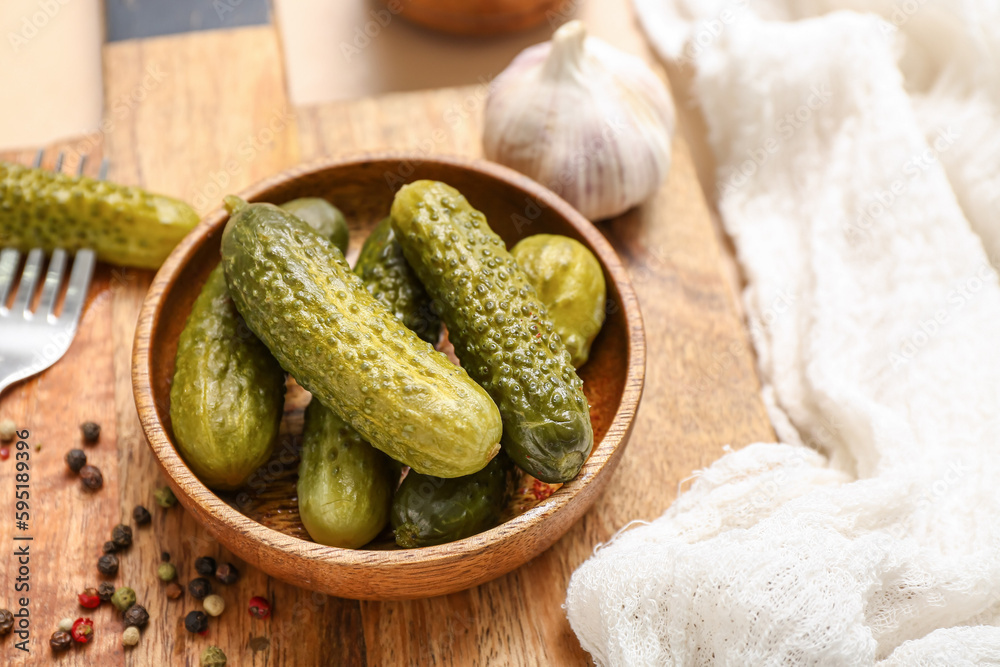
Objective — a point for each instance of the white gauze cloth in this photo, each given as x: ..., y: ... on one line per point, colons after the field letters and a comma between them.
x: 879, y: 346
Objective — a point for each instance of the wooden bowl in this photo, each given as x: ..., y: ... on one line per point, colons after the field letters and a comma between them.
x: 260, y: 523
x: 477, y: 17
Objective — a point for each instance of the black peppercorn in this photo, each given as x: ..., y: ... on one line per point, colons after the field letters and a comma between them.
x: 199, y: 588
x: 136, y: 615
x: 76, y: 459
x: 109, y: 547
x: 105, y: 591
x: 196, y: 621
x: 108, y: 564
x: 121, y: 535
x: 91, y: 431
x: 205, y: 566
x: 141, y: 515
x: 6, y: 622
x: 165, y: 556
x: 61, y: 641
x: 91, y: 477
x: 227, y: 574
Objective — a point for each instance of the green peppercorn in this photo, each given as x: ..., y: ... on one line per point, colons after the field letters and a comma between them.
x: 196, y: 621
x: 123, y: 598
x: 166, y: 572
x: 136, y: 615
x: 91, y: 431
x: 105, y: 591
x: 141, y: 515
x: 205, y: 566
x: 76, y: 459
x: 108, y: 564
x: 227, y: 574
x: 91, y: 478
x: 199, y: 588
x: 213, y: 657
x: 61, y: 641
x: 165, y: 497
x: 121, y: 535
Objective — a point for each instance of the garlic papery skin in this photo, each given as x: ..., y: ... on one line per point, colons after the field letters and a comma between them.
x: 590, y: 122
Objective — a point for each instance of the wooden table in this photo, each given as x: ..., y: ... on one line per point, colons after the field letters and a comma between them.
x: 202, y: 114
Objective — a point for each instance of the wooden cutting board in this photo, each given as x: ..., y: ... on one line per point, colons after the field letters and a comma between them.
x: 200, y: 115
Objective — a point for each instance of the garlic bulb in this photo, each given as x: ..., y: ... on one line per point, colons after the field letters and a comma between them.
x: 588, y: 121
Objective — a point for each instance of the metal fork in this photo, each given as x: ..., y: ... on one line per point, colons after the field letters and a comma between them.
x: 31, y: 341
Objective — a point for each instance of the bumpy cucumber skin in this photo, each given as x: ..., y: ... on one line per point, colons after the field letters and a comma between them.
x: 390, y: 279
x: 345, y: 485
x: 322, y: 216
x: 301, y: 298
x: 429, y: 510
x: 123, y: 225
x: 227, y: 396
x: 570, y: 282
x: 499, y: 328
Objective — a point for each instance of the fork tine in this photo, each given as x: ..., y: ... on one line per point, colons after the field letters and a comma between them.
x: 53, y: 279
x: 81, y: 165
x: 29, y: 281
x: 79, y: 282
x: 103, y: 173
x: 37, y: 164
x: 59, y: 161
x: 9, y: 260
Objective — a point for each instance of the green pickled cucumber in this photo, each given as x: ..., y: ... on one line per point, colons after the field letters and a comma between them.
x: 570, y: 282
x: 430, y: 510
x: 298, y: 294
x: 390, y: 279
x: 227, y: 396
x: 499, y: 328
x: 345, y: 485
x: 322, y: 216
x: 123, y: 225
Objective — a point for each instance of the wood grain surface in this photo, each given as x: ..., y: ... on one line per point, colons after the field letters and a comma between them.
x: 214, y: 117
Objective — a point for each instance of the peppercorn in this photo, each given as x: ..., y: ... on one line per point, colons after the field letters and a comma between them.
x: 199, y: 588
x: 4, y: 453
x: 131, y: 636
x: 141, y: 515
x: 165, y: 497
x: 76, y: 459
x: 105, y: 591
x: 6, y: 622
x: 91, y: 431
x: 213, y: 657
x: 83, y: 630
x: 136, y: 615
x: 108, y: 564
x: 227, y: 574
x: 214, y: 605
x: 259, y: 607
x: 60, y: 641
x: 165, y: 556
x: 66, y: 624
x: 174, y: 590
x: 121, y: 535
x: 109, y: 547
x: 196, y: 621
x: 205, y: 566
x: 89, y: 599
x: 91, y: 478
x: 166, y: 572
x: 8, y: 429
x: 123, y: 598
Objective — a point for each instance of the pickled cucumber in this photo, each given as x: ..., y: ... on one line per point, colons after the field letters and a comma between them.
x: 499, y: 328
x: 123, y: 225
x: 390, y: 279
x: 322, y: 216
x: 345, y: 485
x: 570, y: 282
x: 301, y: 298
x: 429, y: 510
x: 227, y: 396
